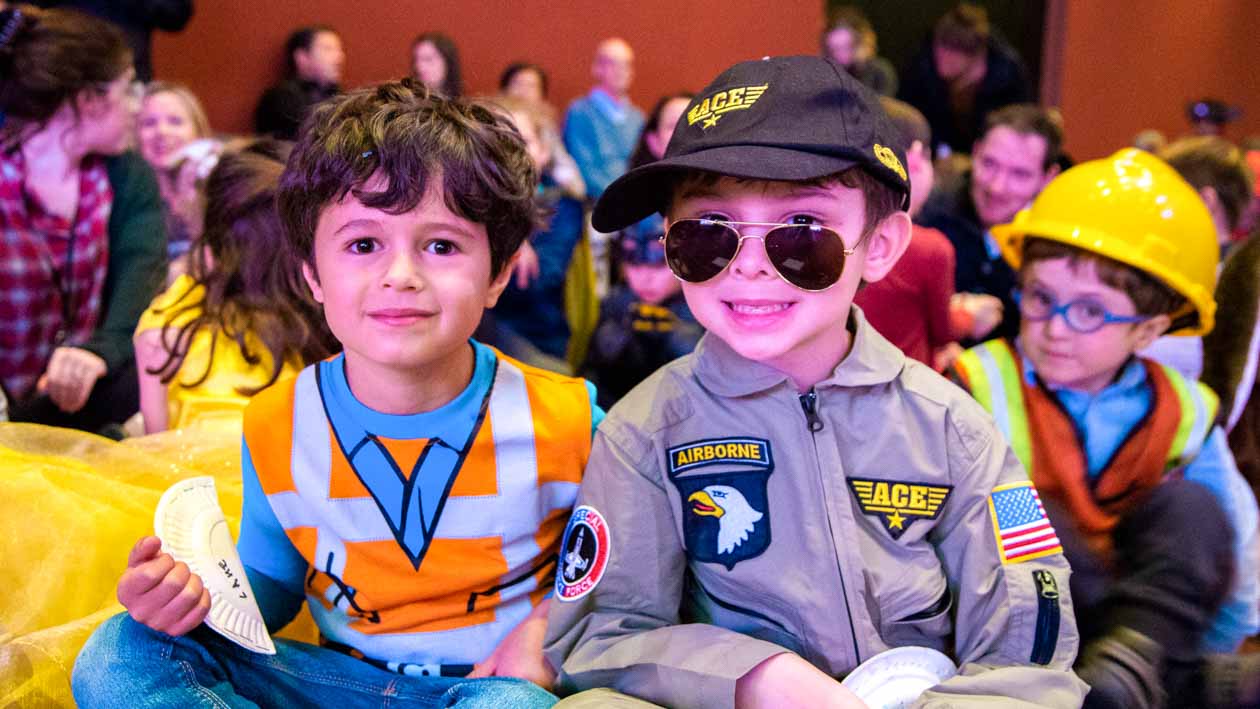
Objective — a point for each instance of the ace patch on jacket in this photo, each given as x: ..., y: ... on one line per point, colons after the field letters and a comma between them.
x: 725, y: 513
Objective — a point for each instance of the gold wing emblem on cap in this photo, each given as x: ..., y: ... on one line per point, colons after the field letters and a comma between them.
x: 889, y: 158
x: 711, y: 108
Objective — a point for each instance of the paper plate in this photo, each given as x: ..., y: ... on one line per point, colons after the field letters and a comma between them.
x: 893, y: 679
x: 192, y: 528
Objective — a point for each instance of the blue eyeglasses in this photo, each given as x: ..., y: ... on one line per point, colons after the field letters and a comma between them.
x: 1084, y: 316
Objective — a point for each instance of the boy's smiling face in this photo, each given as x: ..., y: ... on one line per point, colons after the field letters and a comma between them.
x: 402, y: 292
x: 1080, y: 361
x: 750, y: 307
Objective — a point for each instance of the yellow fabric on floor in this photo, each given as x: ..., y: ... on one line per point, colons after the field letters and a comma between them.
x: 72, y: 505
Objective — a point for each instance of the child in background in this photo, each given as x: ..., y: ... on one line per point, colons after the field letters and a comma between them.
x: 241, y: 318
x: 910, y: 306
x: 523, y: 81
x: 795, y: 496
x: 644, y: 323
x: 413, y: 490
x: 1218, y: 172
x: 532, y: 306
x: 1160, y: 528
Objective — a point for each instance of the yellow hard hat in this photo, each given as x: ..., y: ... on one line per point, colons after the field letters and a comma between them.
x: 1134, y: 208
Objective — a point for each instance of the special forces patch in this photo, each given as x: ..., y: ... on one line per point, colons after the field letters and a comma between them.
x: 897, y: 504
x: 726, y: 515
x: 584, y: 553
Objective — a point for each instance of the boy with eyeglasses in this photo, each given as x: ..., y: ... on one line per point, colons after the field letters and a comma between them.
x: 796, y: 496
x: 1135, y: 473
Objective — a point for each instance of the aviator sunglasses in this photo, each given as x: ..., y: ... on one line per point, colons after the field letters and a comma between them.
x: 808, y: 256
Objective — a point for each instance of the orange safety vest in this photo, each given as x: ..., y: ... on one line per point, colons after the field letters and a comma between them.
x: 1045, y: 439
x: 431, y: 581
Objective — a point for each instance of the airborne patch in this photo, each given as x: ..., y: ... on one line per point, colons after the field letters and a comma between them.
x: 711, y: 109
x: 897, y: 503
x: 712, y: 451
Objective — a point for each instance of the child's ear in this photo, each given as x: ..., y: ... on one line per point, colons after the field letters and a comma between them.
x: 1148, y: 331
x: 886, y: 243
x: 500, y: 282
x: 312, y: 281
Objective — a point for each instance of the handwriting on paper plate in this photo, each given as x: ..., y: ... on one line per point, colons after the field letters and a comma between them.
x: 236, y: 582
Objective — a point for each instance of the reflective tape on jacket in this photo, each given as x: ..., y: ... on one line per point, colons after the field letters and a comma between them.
x: 994, y: 374
x: 1047, y: 441
x: 458, y: 542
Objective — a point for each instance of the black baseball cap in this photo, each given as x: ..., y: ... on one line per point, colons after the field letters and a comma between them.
x: 780, y: 118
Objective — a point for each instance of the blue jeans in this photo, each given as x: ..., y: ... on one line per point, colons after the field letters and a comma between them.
x: 127, y: 665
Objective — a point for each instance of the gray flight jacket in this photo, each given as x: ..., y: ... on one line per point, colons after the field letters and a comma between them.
x: 725, y: 518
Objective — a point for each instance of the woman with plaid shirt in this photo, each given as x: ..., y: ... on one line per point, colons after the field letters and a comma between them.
x: 83, y: 243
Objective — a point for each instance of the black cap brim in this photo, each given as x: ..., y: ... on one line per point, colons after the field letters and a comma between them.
x: 647, y: 189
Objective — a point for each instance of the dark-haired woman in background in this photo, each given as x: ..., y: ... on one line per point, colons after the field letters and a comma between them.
x: 659, y: 128
x: 435, y: 62
x: 84, y: 244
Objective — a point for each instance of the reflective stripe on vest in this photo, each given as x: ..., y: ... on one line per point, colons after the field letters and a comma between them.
x: 995, y: 377
x: 322, y: 523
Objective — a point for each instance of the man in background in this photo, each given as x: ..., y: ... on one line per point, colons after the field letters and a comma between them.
x: 602, y: 127
x: 315, y: 61
x: 962, y: 74
x: 1011, y: 163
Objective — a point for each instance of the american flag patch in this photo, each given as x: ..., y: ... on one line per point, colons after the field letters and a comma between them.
x: 1020, y: 523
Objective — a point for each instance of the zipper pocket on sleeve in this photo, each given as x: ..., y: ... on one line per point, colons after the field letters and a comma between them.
x: 1046, y: 636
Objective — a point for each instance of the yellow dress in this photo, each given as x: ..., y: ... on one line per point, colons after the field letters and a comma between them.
x: 215, y: 400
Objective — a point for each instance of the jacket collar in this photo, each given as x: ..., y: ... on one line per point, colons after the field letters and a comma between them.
x: 871, y: 360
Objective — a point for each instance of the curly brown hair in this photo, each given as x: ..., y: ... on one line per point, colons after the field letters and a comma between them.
x: 406, y: 135
x: 251, y: 282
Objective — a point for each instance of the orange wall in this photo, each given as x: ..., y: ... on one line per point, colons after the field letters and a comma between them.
x: 232, y: 49
x: 1134, y: 65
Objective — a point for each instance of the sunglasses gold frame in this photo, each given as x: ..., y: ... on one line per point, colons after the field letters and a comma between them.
x: 773, y: 225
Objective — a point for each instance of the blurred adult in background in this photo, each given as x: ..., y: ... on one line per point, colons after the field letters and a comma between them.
x: 1014, y: 159
x: 963, y: 73
x: 524, y: 81
x: 657, y: 132
x: 315, y: 60
x: 1209, y: 116
x: 1150, y: 140
x: 850, y: 41
x: 602, y: 127
x: 171, y: 119
x: 435, y: 62
x: 84, y: 245
x: 136, y: 19
x: 659, y: 128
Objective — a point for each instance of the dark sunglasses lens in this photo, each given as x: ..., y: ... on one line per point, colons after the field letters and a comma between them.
x: 697, y: 250
x: 809, y: 257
